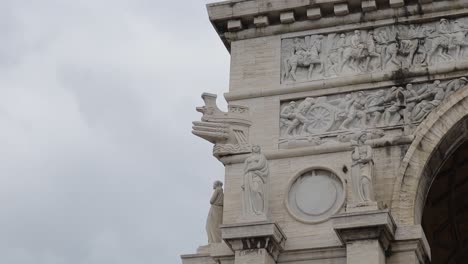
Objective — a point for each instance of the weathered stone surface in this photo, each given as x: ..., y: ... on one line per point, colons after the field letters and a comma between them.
x: 314, y: 13
x: 261, y: 21
x: 287, y: 17
x: 386, y: 48
x: 310, y: 78
x: 341, y: 9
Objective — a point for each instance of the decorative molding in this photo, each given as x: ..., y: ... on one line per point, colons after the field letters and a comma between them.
x: 338, y: 13
x: 337, y: 147
x: 228, y: 131
x: 365, y: 225
x: 250, y: 238
x: 314, y: 195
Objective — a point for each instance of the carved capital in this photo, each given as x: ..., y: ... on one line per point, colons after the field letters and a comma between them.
x: 253, y: 237
x: 378, y: 225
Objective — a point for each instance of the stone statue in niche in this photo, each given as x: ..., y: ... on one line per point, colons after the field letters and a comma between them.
x: 361, y: 171
x: 215, y: 215
x: 255, y: 187
x: 385, y: 48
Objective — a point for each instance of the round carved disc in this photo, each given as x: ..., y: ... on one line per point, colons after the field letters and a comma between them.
x: 315, y: 196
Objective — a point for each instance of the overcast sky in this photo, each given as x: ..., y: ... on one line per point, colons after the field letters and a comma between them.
x: 98, y: 163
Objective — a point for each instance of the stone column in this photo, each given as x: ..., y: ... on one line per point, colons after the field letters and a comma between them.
x: 254, y: 243
x: 364, y: 251
x: 367, y: 235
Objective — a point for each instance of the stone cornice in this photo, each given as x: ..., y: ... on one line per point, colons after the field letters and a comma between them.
x: 316, y: 150
x: 356, y: 83
x: 254, y: 236
x: 243, y: 19
x: 365, y: 225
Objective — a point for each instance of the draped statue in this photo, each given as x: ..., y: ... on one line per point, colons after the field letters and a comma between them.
x: 361, y: 171
x: 215, y: 216
x: 255, y: 187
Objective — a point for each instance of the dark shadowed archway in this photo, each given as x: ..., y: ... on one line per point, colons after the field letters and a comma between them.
x: 436, y: 139
x: 445, y: 215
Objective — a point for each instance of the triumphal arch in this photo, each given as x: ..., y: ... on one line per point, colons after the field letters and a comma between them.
x: 345, y: 139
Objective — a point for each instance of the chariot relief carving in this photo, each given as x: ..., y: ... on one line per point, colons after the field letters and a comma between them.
x: 320, y: 119
x: 381, y: 49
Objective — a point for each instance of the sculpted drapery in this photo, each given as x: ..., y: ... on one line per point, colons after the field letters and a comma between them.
x: 361, y: 171
x: 215, y: 215
x: 255, y: 191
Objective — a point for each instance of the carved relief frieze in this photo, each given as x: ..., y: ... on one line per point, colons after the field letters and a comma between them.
x: 340, y: 117
x: 386, y: 48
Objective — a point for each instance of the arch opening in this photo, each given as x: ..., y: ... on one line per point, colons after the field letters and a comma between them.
x: 436, y: 139
x: 445, y: 214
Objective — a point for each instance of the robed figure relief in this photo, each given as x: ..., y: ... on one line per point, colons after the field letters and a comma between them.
x: 361, y: 171
x: 215, y: 216
x: 255, y: 187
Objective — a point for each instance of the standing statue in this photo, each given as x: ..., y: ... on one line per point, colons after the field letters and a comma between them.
x: 361, y: 171
x: 255, y: 187
x: 215, y: 216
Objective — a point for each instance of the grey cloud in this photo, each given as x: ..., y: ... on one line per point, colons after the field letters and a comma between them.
x: 96, y: 102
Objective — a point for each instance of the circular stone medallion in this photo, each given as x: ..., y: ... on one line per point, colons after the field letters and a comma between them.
x: 315, y: 195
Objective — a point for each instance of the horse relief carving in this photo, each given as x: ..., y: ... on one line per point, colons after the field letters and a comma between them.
x: 385, y: 48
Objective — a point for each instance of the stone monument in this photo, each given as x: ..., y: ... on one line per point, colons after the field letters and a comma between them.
x: 341, y: 115
x: 215, y: 215
x: 255, y: 187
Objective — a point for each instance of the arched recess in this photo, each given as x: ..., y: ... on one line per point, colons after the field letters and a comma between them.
x: 442, y: 132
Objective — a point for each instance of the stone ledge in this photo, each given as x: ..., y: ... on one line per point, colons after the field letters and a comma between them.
x: 256, y: 235
x: 251, y: 230
x: 210, y: 253
x: 197, y: 259
x: 321, y: 149
x: 354, y: 83
x: 313, y: 254
x: 364, y: 226
x: 246, y: 11
x: 412, y: 239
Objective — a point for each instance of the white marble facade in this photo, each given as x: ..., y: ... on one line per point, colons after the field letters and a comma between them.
x: 386, y: 48
x: 338, y: 96
x: 325, y: 119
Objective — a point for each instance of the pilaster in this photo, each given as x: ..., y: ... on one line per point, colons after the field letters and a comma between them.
x: 410, y: 246
x: 367, y: 235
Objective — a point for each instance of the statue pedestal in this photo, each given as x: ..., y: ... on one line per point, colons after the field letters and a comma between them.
x: 255, y: 242
x: 362, y: 207
x: 367, y: 235
x: 253, y: 219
